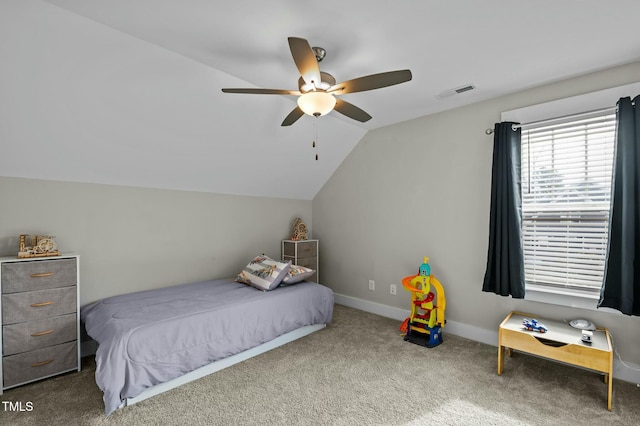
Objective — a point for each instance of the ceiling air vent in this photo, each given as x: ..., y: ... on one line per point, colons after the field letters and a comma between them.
x: 456, y: 91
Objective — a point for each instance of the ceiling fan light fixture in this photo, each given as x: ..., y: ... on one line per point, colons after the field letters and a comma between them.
x: 316, y: 103
x: 318, y: 90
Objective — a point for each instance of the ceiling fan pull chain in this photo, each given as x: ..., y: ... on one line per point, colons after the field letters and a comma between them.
x: 315, y: 135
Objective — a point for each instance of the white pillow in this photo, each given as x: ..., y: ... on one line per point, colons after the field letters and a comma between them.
x: 263, y: 273
x: 296, y: 274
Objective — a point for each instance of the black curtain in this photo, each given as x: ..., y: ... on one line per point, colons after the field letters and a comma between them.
x: 505, y: 260
x: 621, y: 286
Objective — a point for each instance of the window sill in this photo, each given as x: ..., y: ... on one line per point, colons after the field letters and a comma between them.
x: 570, y: 298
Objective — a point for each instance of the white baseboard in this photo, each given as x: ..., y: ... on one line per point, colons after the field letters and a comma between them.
x: 622, y: 370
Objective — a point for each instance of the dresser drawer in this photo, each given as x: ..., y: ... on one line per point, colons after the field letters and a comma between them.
x: 308, y: 262
x: 27, y: 336
x: 305, y: 249
x: 34, y: 305
x: 311, y: 263
x: 33, y: 365
x: 38, y: 275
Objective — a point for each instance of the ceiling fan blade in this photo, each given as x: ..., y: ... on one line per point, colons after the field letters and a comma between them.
x: 263, y: 91
x: 370, y: 82
x: 351, y: 111
x: 292, y: 117
x: 305, y: 60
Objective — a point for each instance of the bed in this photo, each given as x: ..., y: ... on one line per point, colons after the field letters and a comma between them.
x: 153, y: 341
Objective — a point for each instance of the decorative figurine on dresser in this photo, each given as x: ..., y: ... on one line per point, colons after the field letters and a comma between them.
x: 299, y: 230
x: 39, y: 246
x: 40, y: 314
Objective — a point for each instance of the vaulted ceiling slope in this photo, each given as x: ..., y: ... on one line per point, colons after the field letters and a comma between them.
x: 128, y: 92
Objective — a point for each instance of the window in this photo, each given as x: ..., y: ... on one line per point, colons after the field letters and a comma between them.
x: 550, y: 287
x: 566, y: 186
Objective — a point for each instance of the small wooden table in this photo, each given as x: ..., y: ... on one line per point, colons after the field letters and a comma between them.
x: 561, y: 343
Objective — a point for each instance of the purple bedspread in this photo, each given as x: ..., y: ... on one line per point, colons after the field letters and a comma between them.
x: 151, y: 337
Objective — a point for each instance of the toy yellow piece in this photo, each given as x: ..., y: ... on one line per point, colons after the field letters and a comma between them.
x: 424, y: 326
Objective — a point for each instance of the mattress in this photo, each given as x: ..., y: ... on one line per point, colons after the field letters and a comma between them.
x: 151, y: 337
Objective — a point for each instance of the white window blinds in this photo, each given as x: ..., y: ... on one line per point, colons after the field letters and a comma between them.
x: 566, y: 188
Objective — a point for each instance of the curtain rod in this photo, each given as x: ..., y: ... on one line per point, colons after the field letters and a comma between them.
x: 551, y: 120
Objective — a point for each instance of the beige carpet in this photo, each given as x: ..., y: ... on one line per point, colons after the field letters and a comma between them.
x: 357, y: 371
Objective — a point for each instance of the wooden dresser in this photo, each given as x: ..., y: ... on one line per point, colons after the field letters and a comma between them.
x: 302, y: 253
x: 40, y: 313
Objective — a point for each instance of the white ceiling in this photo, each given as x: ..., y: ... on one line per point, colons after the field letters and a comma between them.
x: 128, y: 92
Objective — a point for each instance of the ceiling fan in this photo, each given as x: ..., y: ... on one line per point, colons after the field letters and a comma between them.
x: 317, y: 90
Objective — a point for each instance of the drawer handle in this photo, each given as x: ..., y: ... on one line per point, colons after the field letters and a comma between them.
x: 41, y: 363
x: 42, y: 274
x: 37, y: 305
x: 42, y: 333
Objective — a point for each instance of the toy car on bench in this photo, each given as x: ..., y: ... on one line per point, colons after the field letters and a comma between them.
x: 534, y: 325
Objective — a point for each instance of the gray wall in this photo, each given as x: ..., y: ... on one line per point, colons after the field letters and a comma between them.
x: 132, y: 239
x: 422, y: 188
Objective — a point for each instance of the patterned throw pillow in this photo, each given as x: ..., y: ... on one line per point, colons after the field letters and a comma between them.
x: 296, y: 274
x: 263, y: 273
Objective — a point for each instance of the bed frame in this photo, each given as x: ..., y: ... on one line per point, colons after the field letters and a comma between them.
x: 223, y: 363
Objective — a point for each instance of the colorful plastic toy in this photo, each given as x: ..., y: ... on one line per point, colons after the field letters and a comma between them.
x: 534, y: 325
x: 424, y: 326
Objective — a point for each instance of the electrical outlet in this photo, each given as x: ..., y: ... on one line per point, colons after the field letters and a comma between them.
x: 392, y: 289
x: 372, y: 285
